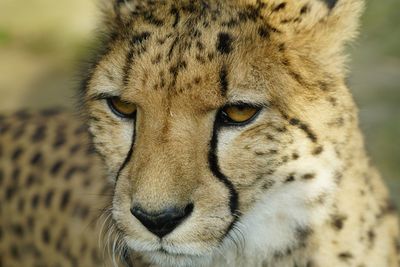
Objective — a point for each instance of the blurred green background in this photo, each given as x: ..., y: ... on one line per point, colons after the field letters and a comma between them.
x: 41, y: 42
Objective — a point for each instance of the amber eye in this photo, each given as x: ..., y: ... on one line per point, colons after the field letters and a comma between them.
x: 121, y: 108
x: 237, y: 114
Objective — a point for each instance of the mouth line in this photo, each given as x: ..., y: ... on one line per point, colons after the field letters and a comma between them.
x: 162, y: 251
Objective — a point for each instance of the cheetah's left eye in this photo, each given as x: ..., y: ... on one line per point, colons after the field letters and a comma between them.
x: 121, y: 108
x: 239, y: 113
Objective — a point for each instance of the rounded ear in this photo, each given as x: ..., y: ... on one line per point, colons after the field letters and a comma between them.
x: 336, y: 24
x: 315, y: 28
x: 319, y: 28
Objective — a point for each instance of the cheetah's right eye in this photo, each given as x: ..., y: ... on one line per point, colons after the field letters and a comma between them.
x: 121, y: 108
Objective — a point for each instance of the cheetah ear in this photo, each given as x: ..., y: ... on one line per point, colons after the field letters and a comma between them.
x: 335, y: 21
x: 318, y: 27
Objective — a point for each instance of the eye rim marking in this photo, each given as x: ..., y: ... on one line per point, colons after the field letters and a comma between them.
x: 226, y: 121
x: 117, y: 112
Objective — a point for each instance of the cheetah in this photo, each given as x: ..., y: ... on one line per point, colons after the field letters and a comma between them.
x: 225, y: 135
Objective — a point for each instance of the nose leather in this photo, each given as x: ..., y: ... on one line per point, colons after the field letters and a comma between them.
x: 164, y: 222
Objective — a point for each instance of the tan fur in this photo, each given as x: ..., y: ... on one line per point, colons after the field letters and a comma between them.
x: 306, y: 192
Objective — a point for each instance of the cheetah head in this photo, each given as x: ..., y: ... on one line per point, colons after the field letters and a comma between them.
x: 222, y: 124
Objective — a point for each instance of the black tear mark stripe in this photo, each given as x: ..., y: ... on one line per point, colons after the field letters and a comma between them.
x: 130, y: 152
x: 215, y: 169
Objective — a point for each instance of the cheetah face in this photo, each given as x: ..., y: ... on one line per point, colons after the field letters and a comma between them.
x: 217, y: 125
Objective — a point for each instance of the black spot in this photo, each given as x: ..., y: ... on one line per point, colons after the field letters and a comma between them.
x: 303, y: 233
x: 4, y: 128
x: 224, y: 43
x: 268, y: 184
x: 39, y: 134
x: 80, y: 130
x: 308, y: 176
x: 35, y: 201
x: 338, y: 221
x: 50, y: 112
x: 65, y: 198
x: 70, y: 172
x: 223, y: 80
x: 210, y: 56
x: 30, y: 222
x: 175, y: 69
x: 250, y: 13
x: 14, y: 252
x: 36, y: 158
x: 75, y: 148
x: 318, y: 150
x: 175, y: 12
x: 156, y: 60
x: 200, y: 45
x: 81, y: 211
x: 18, y: 230
x: 150, y: 18
x: 297, y: 77
x: 60, y: 140
x: 21, y: 204
x: 15, y: 175
x: 19, y: 131
x: 345, y: 256
x: 56, y: 167
x: 10, y: 192
x: 30, y: 180
x: 279, y: 7
x: 46, y: 235
x: 285, y: 62
x: 22, y: 115
x: 230, y: 23
x: 290, y: 178
x: 48, y: 198
x: 371, y: 236
x: 17, y: 153
x: 304, y: 9
x: 139, y: 38
x: 263, y: 31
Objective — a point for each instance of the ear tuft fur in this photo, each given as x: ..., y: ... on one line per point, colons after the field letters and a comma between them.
x: 319, y: 28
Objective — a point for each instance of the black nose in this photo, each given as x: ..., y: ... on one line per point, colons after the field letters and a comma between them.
x: 164, y: 222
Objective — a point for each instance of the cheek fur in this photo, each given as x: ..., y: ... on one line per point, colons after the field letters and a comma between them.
x: 112, y: 138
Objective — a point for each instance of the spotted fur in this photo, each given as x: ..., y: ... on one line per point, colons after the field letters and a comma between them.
x: 291, y: 187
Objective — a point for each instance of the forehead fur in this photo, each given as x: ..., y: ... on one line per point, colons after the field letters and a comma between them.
x: 291, y: 17
x: 313, y: 30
